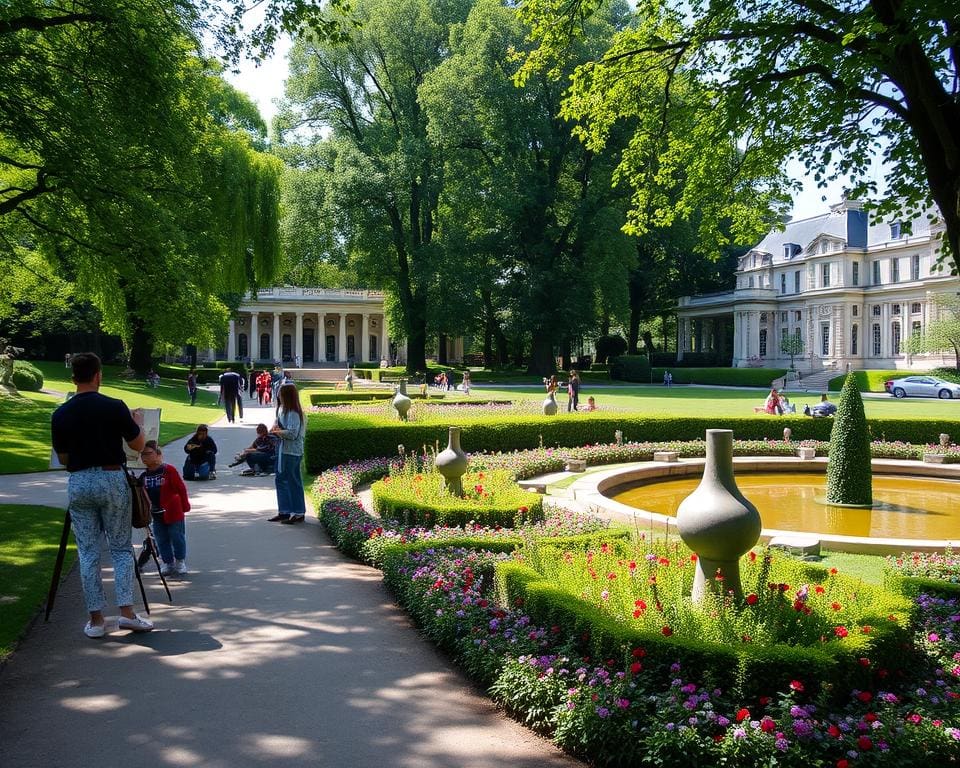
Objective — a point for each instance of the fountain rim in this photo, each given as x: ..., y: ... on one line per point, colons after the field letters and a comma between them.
x: 594, y: 490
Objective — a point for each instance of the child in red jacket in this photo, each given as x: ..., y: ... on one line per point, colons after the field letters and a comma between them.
x: 168, y: 502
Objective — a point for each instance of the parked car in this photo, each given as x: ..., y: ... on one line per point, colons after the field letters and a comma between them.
x: 922, y: 386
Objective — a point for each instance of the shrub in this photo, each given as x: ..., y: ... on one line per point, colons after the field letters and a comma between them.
x: 849, y: 474
x: 610, y: 346
x: 724, y: 377
x: 205, y: 374
x: 27, y: 377
x: 630, y: 368
x: 490, y: 499
x: 867, y: 381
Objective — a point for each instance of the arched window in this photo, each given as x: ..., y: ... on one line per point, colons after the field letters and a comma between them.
x: 763, y: 342
x: 242, y: 345
x: 265, y: 347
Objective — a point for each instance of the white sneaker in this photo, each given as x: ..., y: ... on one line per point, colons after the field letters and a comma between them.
x: 94, y: 630
x: 137, y: 624
x: 180, y: 567
x: 167, y: 569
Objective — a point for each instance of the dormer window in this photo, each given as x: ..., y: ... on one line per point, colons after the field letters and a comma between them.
x: 894, y: 230
x: 790, y: 250
x: 824, y: 246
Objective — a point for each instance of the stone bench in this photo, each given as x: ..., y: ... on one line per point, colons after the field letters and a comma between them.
x: 666, y: 456
x: 799, y: 545
x: 807, y: 453
x: 571, y: 464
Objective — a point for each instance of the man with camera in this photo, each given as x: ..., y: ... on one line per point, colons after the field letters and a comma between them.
x: 88, y: 433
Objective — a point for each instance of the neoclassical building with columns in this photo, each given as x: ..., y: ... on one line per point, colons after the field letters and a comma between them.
x: 311, y: 327
x: 850, y: 287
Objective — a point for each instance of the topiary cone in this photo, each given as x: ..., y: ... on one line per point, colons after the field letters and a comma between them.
x: 849, y: 475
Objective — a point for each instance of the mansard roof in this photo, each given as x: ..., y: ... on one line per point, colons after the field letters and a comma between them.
x: 803, y: 232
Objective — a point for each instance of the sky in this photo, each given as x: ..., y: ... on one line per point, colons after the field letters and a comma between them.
x: 264, y: 84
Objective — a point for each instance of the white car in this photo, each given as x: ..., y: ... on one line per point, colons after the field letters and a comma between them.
x: 922, y: 386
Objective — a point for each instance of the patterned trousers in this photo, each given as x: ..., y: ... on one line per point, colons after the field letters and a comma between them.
x: 99, y: 502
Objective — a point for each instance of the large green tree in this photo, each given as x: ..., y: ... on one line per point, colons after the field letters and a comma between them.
x: 943, y: 331
x: 830, y: 83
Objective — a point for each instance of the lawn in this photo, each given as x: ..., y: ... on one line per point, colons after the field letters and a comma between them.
x: 25, y: 422
x: 29, y: 537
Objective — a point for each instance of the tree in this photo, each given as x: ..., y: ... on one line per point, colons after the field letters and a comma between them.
x: 791, y: 344
x: 849, y: 473
x: 941, y: 333
x: 827, y: 82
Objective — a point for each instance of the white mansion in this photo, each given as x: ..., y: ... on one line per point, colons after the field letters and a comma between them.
x: 850, y: 288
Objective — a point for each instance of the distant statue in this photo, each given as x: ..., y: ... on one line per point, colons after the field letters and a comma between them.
x: 8, y: 353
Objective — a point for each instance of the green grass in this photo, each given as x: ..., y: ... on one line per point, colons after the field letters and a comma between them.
x: 29, y: 537
x: 25, y: 421
x: 867, y: 567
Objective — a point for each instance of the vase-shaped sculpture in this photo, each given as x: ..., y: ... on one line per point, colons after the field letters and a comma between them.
x: 452, y: 463
x: 787, y: 433
x: 550, y: 406
x: 401, y: 403
x: 717, y: 521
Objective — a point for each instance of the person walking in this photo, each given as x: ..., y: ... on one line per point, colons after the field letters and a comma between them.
x: 231, y: 393
x: 252, y: 384
x: 290, y: 428
x: 87, y: 433
x: 466, y: 383
x: 168, y: 505
x: 192, y: 386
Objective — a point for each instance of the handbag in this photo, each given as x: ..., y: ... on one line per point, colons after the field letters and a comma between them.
x: 140, y: 516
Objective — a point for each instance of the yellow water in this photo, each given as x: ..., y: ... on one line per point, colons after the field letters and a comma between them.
x: 904, y: 507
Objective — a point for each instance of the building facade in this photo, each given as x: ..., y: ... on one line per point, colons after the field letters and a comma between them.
x: 848, y: 289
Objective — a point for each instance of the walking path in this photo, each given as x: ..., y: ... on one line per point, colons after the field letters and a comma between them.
x: 276, y: 652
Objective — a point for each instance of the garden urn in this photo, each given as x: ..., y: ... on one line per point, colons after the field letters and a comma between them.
x: 944, y: 440
x: 717, y: 521
x: 550, y: 406
x: 401, y: 403
x: 787, y: 432
x: 452, y: 463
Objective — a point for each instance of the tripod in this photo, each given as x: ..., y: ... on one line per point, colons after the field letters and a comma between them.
x: 149, y: 546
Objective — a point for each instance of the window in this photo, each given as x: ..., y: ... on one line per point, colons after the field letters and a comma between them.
x: 876, y: 310
x: 915, y: 328
x: 915, y: 267
x: 798, y: 315
x: 763, y: 342
x: 265, y: 353
x: 783, y: 282
x: 915, y: 308
x: 854, y: 332
x: 796, y: 281
x: 824, y: 246
x: 894, y: 270
x: 876, y: 339
x: 856, y: 272
x: 796, y: 333
x: 242, y: 346
x: 894, y: 230
x: 790, y: 250
x: 825, y: 339
x: 374, y: 355
x: 750, y: 281
x: 783, y: 317
x: 856, y: 310
x: 286, y: 346
x: 895, y: 336
x: 825, y: 275
x: 896, y: 309
x: 876, y: 273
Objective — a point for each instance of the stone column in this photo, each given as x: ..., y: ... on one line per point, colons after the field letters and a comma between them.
x: 737, y: 338
x: 885, y: 339
x: 231, y: 340
x: 342, y: 346
x: 365, y: 338
x: 298, y: 339
x: 277, y: 349
x: 385, y: 339
x: 253, y: 338
x: 212, y: 354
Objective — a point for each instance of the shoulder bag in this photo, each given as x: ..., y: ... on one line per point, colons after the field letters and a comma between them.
x: 140, y: 516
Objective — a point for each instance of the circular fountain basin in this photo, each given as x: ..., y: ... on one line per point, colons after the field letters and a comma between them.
x: 916, y: 505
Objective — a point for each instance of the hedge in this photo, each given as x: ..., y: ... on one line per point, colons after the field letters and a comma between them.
x: 750, y: 669
x: 872, y: 381
x: 205, y: 375
x: 849, y: 472
x: 331, y: 442
x: 344, y: 396
x: 27, y: 377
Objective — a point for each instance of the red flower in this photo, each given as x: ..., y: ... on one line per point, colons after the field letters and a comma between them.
x: 523, y: 510
x: 914, y: 718
x: 866, y: 629
x: 865, y: 743
x: 743, y: 714
x: 840, y: 631
x: 834, y: 731
x: 638, y: 653
x: 819, y: 590
x: 865, y: 696
x: 833, y: 571
x: 764, y: 700
x: 796, y: 685
x: 632, y: 565
x: 870, y: 717
x: 752, y: 599
x: 835, y: 606
x: 611, y: 576
x: 693, y: 557
x: 666, y: 631
x: 767, y: 725
x: 843, y: 763
x: 753, y: 555
x: 864, y: 661
x: 635, y: 667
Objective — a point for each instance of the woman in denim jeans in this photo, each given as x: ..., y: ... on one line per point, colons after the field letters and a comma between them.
x: 290, y: 428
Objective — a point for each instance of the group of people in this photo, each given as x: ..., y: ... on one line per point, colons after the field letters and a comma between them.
x: 88, y: 432
x: 573, y: 391
x: 778, y: 403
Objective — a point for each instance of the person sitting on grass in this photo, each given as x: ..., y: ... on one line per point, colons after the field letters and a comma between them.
x: 201, y: 456
x: 771, y: 405
x: 261, y: 456
x: 822, y: 409
x: 591, y: 404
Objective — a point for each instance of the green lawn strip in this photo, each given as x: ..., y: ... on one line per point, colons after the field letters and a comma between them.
x: 29, y: 537
x: 867, y: 567
x: 25, y: 432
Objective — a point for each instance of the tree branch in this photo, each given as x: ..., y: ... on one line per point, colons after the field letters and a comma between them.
x: 41, y: 24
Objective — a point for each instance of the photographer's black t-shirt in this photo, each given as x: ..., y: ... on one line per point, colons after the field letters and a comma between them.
x: 90, y: 428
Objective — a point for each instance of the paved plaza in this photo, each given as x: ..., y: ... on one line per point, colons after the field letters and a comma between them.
x: 277, y: 651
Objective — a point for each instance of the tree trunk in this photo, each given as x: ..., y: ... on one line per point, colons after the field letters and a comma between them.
x: 487, y: 344
x: 518, y: 351
x: 648, y: 342
x: 605, y: 324
x: 442, y: 349
x: 565, y: 362
x: 141, y: 347
x: 542, y: 362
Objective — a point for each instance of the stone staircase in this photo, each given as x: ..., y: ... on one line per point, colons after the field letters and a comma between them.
x: 814, y: 382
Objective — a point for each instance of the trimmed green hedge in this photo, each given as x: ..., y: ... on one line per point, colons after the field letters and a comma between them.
x: 872, y: 381
x: 330, y: 442
x: 27, y: 377
x: 205, y: 375
x: 346, y: 396
x: 849, y: 472
x: 749, y: 669
x: 721, y: 377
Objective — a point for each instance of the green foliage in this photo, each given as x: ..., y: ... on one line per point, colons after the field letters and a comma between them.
x: 490, y: 499
x: 943, y: 332
x: 27, y: 377
x: 366, y: 396
x: 635, y: 368
x: 609, y: 347
x: 867, y: 381
x: 205, y: 375
x: 849, y: 475
x: 630, y: 368
x: 791, y: 345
